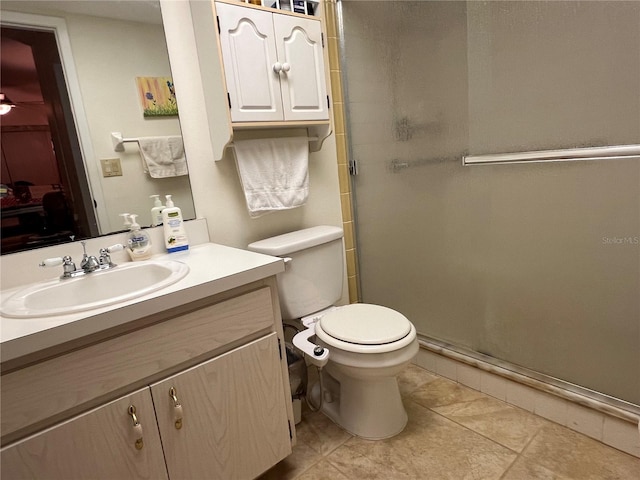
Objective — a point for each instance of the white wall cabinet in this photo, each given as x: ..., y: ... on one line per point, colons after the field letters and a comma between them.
x: 273, y: 65
x: 215, y: 404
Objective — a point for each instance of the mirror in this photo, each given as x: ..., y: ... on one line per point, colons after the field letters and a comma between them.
x: 57, y: 137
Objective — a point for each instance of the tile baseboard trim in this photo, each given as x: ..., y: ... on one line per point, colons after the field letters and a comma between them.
x: 606, y: 419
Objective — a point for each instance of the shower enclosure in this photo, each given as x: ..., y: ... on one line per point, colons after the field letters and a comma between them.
x: 535, y: 264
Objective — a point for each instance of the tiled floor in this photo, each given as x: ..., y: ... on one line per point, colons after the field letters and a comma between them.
x: 453, y: 433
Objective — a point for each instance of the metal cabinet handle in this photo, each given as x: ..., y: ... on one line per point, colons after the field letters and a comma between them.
x: 137, y: 427
x: 177, y: 408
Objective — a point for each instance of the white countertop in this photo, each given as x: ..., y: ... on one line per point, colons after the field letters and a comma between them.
x: 212, y: 269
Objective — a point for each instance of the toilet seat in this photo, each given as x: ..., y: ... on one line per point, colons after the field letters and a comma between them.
x: 365, y: 328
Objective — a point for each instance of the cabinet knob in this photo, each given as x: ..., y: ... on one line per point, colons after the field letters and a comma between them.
x: 277, y: 67
x: 137, y: 427
x: 286, y: 67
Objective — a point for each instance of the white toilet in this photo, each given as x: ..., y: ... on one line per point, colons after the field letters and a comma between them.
x: 363, y: 346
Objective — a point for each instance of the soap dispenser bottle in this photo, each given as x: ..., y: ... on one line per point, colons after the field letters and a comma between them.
x: 138, y: 241
x: 175, y: 237
x: 126, y: 221
x: 156, y: 211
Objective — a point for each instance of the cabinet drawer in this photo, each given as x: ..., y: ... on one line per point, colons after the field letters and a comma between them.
x: 44, y: 393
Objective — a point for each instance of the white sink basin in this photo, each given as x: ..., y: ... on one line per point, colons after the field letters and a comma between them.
x: 94, y: 290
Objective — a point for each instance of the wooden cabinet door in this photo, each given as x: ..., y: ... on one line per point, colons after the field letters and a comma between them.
x: 233, y: 415
x: 100, y: 444
x: 303, y: 81
x: 249, y: 53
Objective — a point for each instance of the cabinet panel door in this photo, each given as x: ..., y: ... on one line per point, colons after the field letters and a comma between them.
x: 99, y: 444
x: 234, y: 422
x: 304, y: 91
x: 249, y: 53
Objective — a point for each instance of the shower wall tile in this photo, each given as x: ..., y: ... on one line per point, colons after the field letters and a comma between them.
x: 338, y: 117
x: 354, y: 294
x: 551, y: 407
x: 345, y: 203
x: 340, y: 132
x: 341, y: 148
x: 336, y: 83
x: 426, y: 360
x: 351, y: 263
x: 334, y: 53
x: 610, y: 430
x: 348, y: 235
x: 493, y: 385
x: 343, y: 178
x: 585, y: 420
x: 622, y: 435
x: 330, y: 13
x: 521, y: 396
x: 469, y: 376
x: 447, y: 368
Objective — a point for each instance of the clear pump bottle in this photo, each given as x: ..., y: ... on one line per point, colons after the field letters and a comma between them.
x: 138, y: 241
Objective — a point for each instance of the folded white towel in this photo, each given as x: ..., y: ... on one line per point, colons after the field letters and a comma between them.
x: 163, y: 156
x: 274, y: 173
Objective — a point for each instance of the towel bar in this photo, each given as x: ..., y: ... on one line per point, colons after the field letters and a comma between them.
x: 569, y: 154
x: 311, y: 139
x: 117, y: 140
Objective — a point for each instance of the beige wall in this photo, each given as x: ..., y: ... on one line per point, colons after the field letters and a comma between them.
x: 535, y: 264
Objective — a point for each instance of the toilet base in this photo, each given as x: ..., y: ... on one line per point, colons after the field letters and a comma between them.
x: 371, y: 408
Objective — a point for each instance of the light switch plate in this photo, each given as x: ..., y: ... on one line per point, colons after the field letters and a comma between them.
x: 111, y: 167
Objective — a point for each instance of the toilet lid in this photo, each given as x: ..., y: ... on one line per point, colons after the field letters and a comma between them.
x: 365, y: 324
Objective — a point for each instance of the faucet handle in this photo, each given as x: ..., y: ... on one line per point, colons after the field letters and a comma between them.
x: 51, y: 262
x: 67, y: 264
x: 105, y: 258
x: 118, y: 247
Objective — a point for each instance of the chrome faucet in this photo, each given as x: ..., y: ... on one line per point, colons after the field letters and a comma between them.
x: 88, y: 264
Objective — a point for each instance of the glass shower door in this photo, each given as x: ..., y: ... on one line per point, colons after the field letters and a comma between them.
x: 535, y: 264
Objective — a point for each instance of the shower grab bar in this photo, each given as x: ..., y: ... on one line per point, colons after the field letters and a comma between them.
x: 617, y: 152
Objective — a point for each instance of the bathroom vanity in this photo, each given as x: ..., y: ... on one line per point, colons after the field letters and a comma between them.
x: 186, y: 382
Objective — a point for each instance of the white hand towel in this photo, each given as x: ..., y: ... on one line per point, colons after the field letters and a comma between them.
x: 177, y: 154
x: 163, y: 156
x: 274, y: 173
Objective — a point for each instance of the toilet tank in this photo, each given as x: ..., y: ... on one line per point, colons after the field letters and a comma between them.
x: 312, y: 280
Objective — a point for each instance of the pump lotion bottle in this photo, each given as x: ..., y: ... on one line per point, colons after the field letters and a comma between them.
x: 175, y: 237
x: 156, y: 211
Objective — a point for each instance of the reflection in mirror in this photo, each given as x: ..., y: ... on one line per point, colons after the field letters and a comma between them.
x: 70, y: 69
